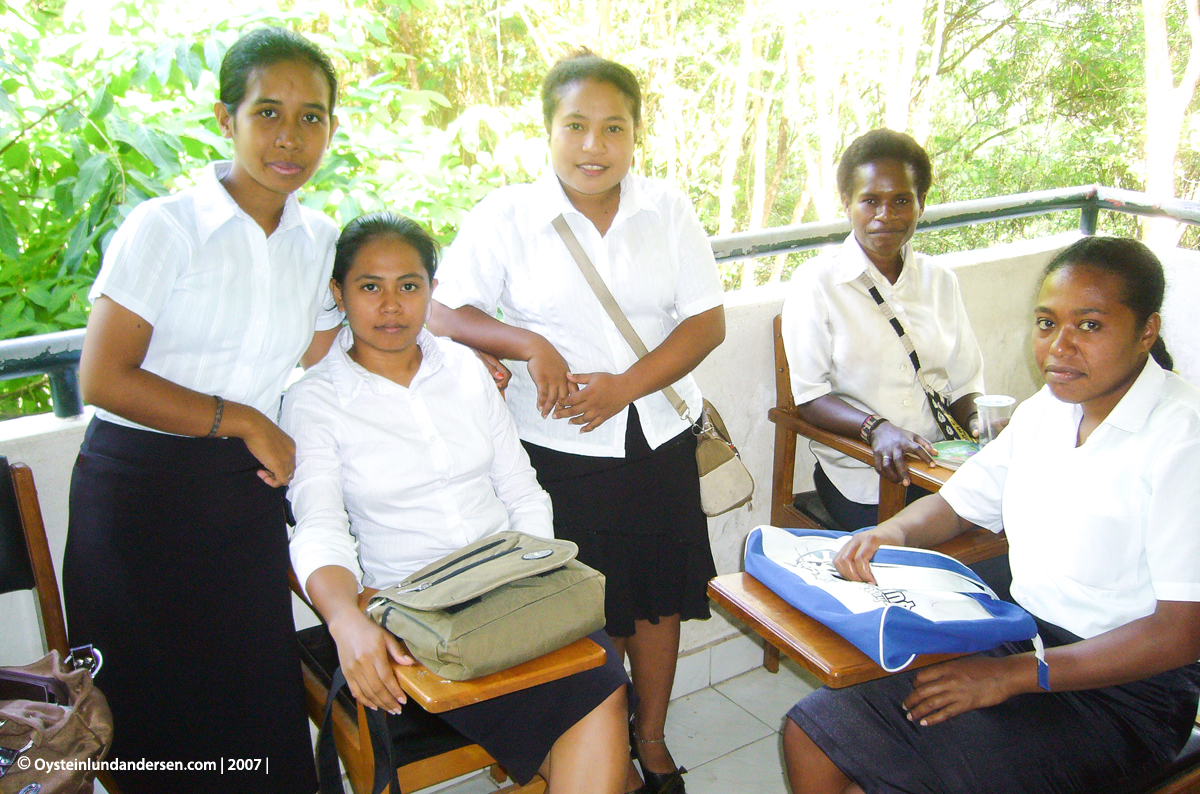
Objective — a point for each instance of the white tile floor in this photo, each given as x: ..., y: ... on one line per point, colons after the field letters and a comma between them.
x: 727, y: 735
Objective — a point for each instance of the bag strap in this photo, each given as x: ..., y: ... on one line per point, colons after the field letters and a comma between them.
x: 610, y: 305
x: 938, y: 404
x: 328, y: 773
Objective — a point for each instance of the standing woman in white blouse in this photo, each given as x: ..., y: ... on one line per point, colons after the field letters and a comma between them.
x: 616, y: 458
x: 176, y: 561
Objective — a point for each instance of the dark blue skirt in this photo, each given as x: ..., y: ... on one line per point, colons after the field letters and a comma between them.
x: 1057, y: 742
x: 176, y: 569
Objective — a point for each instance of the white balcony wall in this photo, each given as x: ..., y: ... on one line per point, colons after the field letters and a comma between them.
x: 998, y: 287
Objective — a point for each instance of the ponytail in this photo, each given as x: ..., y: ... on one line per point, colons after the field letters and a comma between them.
x: 1159, y: 353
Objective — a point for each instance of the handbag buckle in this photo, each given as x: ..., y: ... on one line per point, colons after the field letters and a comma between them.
x: 85, y: 657
x: 9, y: 756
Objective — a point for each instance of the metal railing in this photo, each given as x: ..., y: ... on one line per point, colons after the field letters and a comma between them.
x: 57, y: 354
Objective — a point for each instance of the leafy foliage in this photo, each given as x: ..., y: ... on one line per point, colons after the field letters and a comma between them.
x: 108, y: 102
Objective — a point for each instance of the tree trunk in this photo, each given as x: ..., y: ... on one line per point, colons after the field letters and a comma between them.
x: 1166, y: 106
x: 906, y: 41
x: 736, y: 118
x: 924, y: 120
x: 758, y: 193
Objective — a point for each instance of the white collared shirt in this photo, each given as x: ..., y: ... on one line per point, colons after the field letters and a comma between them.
x: 232, y: 309
x: 838, y: 342
x: 1098, y: 533
x: 655, y: 259
x: 389, y: 479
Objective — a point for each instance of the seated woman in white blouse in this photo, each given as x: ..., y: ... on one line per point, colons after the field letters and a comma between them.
x: 1095, y: 483
x: 405, y: 451
x: 851, y: 374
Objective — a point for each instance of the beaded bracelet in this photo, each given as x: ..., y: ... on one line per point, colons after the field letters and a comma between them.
x: 217, y: 419
x: 867, y: 429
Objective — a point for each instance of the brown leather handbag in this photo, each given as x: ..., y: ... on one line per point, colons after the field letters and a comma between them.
x: 54, y: 727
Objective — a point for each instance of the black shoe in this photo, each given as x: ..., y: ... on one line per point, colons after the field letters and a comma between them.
x: 656, y: 782
x: 666, y: 783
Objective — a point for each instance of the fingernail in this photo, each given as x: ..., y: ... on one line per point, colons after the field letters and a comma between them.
x: 924, y: 723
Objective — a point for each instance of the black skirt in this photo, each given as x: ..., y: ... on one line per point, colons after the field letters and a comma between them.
x: 176, y: 569
x: 638, y: 521
x: 518, y: 729
x: 1057, y: 742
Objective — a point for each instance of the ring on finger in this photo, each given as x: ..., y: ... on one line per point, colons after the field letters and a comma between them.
x: 887, y: 459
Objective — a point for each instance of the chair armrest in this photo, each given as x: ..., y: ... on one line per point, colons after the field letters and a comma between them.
x: 974, y: 545
x: 294, y: 584
x: 788, y: 419
x: 931, y: 478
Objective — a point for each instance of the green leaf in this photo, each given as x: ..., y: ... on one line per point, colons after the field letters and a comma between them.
x: 59, y: 297
x: 9, y: 245
x: 64, y: 203
x: 11, y: 311
x: 214, y: 51
x: 102, y: 105
x: 70, y: 120
x: 16, y: 158
x: 38, y: 295
x: 152, y: 146
x: 8, y: 107
x: 163, y: 59
x: 189, y: 63
x: 91, y: 177
x: 145, y: 67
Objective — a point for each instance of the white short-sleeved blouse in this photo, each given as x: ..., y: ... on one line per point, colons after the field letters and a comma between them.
x: 838, y: 342
x: 1097, y: 533
x: 655, y: 259
x: 232, y: 309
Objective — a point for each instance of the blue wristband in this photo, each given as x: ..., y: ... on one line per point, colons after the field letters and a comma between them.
x: 1043, y: 673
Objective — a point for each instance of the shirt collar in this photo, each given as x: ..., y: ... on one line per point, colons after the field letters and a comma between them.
x: 349, y: 378
x: 552, y: 200
x: 1131, y: 413
x: 854, y: 261
x: 215, y: 207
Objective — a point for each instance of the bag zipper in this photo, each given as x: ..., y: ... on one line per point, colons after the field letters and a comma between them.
x: 427, y: 584
x: 466, y: 556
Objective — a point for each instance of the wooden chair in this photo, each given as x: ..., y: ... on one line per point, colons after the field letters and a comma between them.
x: 968, y: 548
x: 428, y: 752
x: 26, y: 564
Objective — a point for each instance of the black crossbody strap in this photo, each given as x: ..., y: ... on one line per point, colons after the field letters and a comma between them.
x: 938, y: 404
x: 381, y: 746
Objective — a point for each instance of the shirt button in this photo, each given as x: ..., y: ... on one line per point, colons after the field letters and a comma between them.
x: 432, y: 439
x: 907, y: 403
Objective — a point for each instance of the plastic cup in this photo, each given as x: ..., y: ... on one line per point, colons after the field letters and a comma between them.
x: 994, y: 412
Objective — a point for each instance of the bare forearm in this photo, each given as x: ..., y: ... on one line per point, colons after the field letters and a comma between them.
x: 925, y: 523
x: 833, y: 414
x: 680, y: 353
x: 153, y: 401
x: 333, y: 591
x: 471, y: 327
x: 318, y: 347
x: 1165, y: 640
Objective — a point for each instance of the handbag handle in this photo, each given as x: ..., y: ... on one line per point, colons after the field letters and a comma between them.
x: 610, y: 305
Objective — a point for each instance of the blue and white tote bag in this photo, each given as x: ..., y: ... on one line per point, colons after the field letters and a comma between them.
x: 923, y: 602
